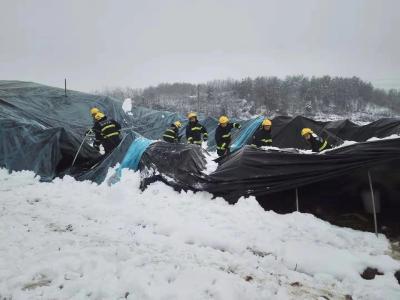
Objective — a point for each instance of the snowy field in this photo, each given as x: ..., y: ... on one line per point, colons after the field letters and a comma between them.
x: 78, y: 240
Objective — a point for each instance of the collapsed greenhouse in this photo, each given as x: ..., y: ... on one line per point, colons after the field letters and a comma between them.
x: 42, y: 129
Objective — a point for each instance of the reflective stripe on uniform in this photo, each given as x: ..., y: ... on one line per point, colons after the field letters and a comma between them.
x: 107, y: 127
x: 226, y: 135
x: 195, y: 128
x: 198, y: 142
x: 111, y: 134
x: 170, y: 130
x: 190, y: 138
x: 169, y: 136
x: 205, y: 134
x: 266, y: 140
x: 323, y: 146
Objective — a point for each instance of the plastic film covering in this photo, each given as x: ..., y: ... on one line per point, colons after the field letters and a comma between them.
x: 253, y: 171
x: 41, y: 129
x: 180, y: 165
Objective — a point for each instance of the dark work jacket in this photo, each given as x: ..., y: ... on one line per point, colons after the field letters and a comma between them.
x: 171, y: 134
x: 194, y: 132
x: 262, y: 138
x: 317, y: 143
x: 223, y: 135
x: 106, y: 133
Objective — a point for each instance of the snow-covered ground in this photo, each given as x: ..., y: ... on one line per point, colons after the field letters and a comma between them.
x: 78, y: 240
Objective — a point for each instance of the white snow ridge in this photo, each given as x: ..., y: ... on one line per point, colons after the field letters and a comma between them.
x: 78, y: 240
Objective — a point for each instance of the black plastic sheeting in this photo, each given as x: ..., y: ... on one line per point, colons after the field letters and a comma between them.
x: 286, y: 130
x: 179, y: 165
x: 257, y: 172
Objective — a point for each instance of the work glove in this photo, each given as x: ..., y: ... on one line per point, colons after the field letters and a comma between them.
x: 96, y: 145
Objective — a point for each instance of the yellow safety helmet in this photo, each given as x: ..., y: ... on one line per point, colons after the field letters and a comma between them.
x: 178, y: 124
x: 266, y: 122
x: 94, y: 111
x: 223, y: 120
x: 99, y: 116
x: 305, y: 131
x: 192, y: 115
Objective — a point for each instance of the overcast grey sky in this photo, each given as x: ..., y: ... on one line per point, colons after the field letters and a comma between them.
x: 103, y: 43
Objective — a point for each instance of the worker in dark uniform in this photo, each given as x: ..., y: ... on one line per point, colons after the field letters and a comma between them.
x: 107, y: 132
x: 262, y: 137
x: 223, y: 135
x: 317, y: 143
x: 171, y: 135
x: 195, y: 131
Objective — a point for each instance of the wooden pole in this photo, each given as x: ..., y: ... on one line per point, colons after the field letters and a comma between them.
x: 373, y: 202
x: 297, y: 199
x: 65, y: 87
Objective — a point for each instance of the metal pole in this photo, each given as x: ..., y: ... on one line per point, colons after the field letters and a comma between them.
x: 297, y: 199
x: 79, y: 150
x: 65, y: 87
x: 373, y: 202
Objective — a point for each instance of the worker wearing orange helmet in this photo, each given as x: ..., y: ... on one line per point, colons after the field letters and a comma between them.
x: 223, y: 135
x: 262, y: 137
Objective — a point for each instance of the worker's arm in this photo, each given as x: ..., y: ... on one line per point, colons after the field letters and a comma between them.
x: 117, y: 125
x: 237, y: 125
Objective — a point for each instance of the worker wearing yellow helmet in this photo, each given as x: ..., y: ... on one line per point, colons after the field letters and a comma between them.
x: 171, y: 134
x: 316, y: 143
x: 94, y: 111
x: 107, y: 132
x: 195, y: 132
x: 262, y: 137
x: 223, y: 135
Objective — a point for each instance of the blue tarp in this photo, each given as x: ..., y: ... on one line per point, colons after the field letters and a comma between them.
x: 134, y: 154
x: 132, y: 158
x: 247, y: 132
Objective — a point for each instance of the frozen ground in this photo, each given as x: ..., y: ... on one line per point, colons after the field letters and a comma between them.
x: 78, y: 240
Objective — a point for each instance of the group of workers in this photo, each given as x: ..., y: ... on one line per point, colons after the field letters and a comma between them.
x: 107, y: 133
x: 196, y: 133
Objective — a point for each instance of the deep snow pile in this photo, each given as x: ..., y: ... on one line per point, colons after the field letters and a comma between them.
x: 76, y: 240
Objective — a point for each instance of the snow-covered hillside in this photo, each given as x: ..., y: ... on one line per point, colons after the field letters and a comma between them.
x: 77, y: 240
